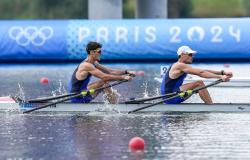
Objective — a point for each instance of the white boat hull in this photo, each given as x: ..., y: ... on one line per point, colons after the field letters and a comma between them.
x: 69, y: 107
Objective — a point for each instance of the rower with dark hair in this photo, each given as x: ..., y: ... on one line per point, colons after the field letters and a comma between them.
x: 91, y: 67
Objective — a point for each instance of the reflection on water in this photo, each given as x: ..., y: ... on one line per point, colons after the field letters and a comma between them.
x: 170, y: 136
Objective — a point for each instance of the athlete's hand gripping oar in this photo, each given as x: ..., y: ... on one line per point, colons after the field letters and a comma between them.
x: 44, y: 99
x: 84, y: 93
x: 181, y: 94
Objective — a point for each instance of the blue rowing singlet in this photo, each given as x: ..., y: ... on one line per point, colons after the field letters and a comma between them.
x: 76, y: 86
x: 172, y: 85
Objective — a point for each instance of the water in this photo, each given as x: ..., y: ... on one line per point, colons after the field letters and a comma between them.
x: 171, y: 136
x: 167, y: 136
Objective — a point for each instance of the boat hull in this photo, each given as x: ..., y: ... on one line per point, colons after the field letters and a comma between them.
x: 69, y: 107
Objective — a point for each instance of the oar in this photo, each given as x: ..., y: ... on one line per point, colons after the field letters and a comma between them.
x: 181, y: 94
x: 83, y: 93
x: 44, y: 99
x: 141, y: 100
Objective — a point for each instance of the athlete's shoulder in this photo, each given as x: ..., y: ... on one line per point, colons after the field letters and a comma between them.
x: 86, y: 66
x: 181, y: 65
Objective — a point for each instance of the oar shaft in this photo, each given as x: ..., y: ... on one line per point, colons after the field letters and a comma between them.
x: 178, y: 95
x: 40, y: 100
x: 153, y: 104
x: 37, y: 100
x: 53, y: 103
x: 74, y: 96
x: 139, y: 100
x: 206, y: 86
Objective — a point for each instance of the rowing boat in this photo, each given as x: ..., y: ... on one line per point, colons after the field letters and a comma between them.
x: 12, y: 104
x: 184, y: 107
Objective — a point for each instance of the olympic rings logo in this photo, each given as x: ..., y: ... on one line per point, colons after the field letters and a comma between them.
x: 31, y: 35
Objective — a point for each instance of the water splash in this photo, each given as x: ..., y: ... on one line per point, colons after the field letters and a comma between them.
x: 106, y: 106
x: 60, y: 90
x: 20, y: 94
x: 106, y: 96
x: 145, y: 93
x: 157, y: 91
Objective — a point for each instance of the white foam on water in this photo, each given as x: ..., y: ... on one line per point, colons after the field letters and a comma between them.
x: 60, y: 90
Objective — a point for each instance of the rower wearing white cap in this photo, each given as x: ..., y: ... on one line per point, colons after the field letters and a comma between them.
x: 177, y: 72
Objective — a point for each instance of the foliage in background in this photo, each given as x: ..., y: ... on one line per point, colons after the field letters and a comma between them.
x: 77, y: 9
x: 246, y: 6
x: 179, y: 8
x: 128, y: 9
x: 176, y: 8
x: 43, y: 9
x: 218, y: 8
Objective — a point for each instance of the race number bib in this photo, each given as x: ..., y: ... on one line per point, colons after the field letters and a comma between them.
x: 164, y: 70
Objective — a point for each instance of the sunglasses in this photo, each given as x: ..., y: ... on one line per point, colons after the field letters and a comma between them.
x: 190, y: 54
x: 98, y: 51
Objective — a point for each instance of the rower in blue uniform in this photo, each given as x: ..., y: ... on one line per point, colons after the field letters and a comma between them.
x: 81, y: 77
x: 78, y: 86
x: 172, y: 85
x: 176, y: 74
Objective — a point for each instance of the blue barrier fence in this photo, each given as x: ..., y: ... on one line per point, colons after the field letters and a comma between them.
x: 124, y: 39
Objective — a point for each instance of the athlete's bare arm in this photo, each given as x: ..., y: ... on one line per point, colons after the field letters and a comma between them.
x: 214, y: 72
x: 113, y: 71
x: 222, y: 72
x: 200, y: 72
x: 86, y: 67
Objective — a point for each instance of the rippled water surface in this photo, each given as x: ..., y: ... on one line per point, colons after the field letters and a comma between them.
x: 170, y: 136
x: 106, y: 136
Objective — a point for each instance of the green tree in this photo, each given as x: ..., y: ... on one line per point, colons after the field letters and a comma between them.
x: 128, y: 9
x: 43, y: 9
x: 246, y: 5
x: 217, y: 8
x: 179, y: 8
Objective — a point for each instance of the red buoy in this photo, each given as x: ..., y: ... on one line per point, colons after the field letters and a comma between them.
x: 140, y: 73
x: 226, y: 65
x: 44, y: 80
x: 136, y: 144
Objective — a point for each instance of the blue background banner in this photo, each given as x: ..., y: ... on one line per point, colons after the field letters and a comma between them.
x: 124, y: 39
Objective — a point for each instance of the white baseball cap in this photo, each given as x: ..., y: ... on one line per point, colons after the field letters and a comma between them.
x: 185, y: 50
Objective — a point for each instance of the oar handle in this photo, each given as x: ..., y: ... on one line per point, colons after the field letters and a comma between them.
x: 111, y: 85
x: 206, y: 86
